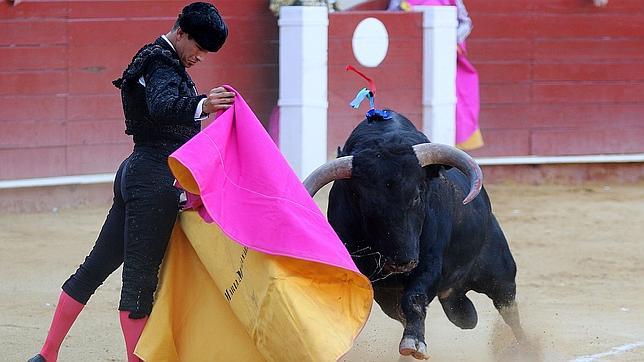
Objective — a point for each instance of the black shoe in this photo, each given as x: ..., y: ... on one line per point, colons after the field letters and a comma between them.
x: 37, y: 358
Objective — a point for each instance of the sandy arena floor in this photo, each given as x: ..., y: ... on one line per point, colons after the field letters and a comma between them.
x: 579, y: 250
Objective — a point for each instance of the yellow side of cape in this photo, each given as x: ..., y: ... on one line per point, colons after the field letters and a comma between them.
x: 220, y: 301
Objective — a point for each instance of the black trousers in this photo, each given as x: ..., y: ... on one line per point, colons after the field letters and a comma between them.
x: 135, y: 233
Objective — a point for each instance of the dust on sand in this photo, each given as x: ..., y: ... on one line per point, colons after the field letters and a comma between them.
x: 579, y: 251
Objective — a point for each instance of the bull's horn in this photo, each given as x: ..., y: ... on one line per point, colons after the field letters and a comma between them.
x: 436, y: 153
x: 340, y: 168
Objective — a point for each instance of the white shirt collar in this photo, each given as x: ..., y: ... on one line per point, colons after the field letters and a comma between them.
x: 168, y: 41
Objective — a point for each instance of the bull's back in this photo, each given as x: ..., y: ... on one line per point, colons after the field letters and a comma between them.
x: 398, y: 130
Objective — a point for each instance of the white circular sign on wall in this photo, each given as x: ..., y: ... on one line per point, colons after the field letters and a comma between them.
x: 370, y: 42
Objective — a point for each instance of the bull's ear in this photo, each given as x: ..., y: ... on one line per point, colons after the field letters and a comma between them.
x: 434, y: 170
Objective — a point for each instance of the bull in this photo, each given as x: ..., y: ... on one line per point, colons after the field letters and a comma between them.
x: 407, y: 211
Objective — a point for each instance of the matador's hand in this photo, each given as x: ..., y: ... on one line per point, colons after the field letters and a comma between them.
x: 218, y: 99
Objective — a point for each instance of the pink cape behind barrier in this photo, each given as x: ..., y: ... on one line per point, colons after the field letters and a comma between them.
x: 468, y: 134
x: 248, y: 188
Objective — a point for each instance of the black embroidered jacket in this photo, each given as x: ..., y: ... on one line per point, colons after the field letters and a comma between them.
x: 164, y: 109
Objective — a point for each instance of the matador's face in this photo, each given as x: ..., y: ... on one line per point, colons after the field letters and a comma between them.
x: 188, y: 50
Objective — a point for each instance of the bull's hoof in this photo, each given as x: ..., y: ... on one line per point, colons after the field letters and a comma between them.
x: 410, y: 346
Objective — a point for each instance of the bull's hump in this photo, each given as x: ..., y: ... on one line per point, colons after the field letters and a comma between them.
x: 382, y: 134
x: 384, y: 128
x: 394, y: 124
x: 384, y: 139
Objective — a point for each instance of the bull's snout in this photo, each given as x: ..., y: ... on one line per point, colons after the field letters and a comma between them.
x: 400, y: 268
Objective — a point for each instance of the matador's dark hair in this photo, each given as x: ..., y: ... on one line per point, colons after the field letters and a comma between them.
x: 204, y: 24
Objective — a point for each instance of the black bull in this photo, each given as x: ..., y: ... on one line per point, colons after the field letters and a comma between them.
x: 398, y: 205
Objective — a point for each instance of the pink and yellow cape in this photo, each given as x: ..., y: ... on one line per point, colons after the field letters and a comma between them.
x: 254, y: 272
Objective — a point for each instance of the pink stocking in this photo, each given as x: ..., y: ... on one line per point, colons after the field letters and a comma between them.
x: 66, y: 312
x: 132, y: 329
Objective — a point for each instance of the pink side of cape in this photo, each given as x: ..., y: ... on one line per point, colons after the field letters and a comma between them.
x: 247, y: 188
x: 467, y: 96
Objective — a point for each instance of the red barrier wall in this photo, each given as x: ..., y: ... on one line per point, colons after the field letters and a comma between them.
x: 559, y: 77
x: 59, y: 112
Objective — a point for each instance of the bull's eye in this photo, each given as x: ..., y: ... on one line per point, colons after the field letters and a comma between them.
x: 417, y: 199
x: 388, y: 185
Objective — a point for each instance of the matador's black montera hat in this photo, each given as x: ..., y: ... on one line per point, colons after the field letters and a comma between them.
x: 204, y: 24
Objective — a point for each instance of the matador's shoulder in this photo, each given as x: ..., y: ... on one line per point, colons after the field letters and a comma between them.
x: 148, y: 54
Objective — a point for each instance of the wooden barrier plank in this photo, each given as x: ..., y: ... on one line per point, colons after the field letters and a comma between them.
x: 504, y: 142
x: 33, y: 82
x: 89, y: 159
x: 23, y: 162
x: 582, y: 92
x: 33, y: 58
x: 25, y: 31
x: 583, y: 50
x: 624, y: 70
x: 580, y: 116
x: 32, y: 134
x: 29, y: 107
x: 587, y: 141
x: 97, y: 132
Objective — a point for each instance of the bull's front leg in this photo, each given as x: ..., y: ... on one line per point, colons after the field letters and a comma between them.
x: 414, y: 307
x: 416, y: 297
x: 421, y: 289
